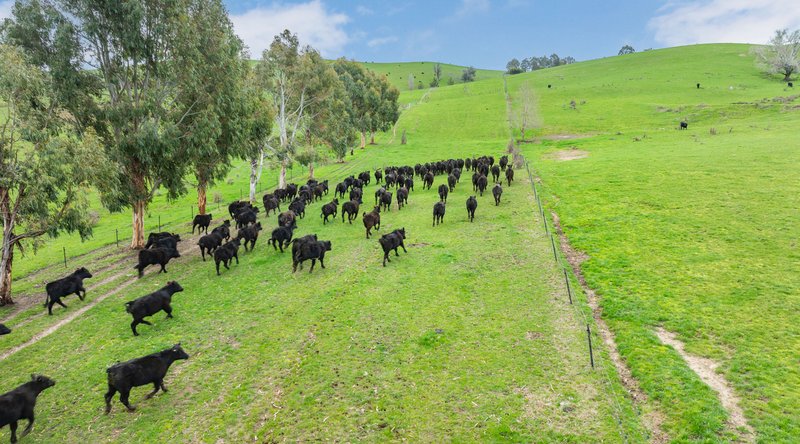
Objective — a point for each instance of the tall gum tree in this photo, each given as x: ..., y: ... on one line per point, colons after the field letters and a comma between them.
x: 45, y: 171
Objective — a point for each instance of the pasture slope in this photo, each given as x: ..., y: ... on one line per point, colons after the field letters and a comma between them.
x: 397, y: 73
x: 467, y: 337
x: 694, y: 232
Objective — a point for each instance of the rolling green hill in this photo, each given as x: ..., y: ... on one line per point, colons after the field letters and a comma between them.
x: 398, y: 73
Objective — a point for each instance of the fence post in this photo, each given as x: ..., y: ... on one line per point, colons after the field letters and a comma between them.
x: 159, y: 222
x: 191, y: 208
x: 116, y: 235
x: 569, y: 289
x: 64, y: 249
x: 589, y: 336
x: 553, y: 243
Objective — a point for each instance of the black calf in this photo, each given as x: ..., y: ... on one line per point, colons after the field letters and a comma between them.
x: 250, y: 235
x: 160, y: 256
x: 201, y: 221
x: 226, y: 254
x: 497, y: 191
x: 282, y: 236
x: 149, y: 369
x: 19, y: 403
x: 72, y: 284
x: 209, y: 243
x: 151, y: 304
x: 438, y: 213
x: 472, y: 204
x: 392, y: 241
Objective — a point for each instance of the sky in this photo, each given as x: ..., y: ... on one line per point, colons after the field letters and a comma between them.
x: 488, y: 33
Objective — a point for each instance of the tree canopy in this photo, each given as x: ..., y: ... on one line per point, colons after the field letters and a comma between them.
x: 782, y: 54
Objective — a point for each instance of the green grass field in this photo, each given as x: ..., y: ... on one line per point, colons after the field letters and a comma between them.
x: 398, y: 73
x: 467, y: 337
x: 688, y: 230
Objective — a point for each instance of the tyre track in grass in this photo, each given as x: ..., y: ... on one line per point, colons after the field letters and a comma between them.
x: 74, y: 315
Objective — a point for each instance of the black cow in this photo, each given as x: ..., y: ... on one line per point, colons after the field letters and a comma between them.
x: 235, y: 207
x: 281, y: 236
x: 271, y: 203
x: 443, y: 189
x: 19, y: 403
x: 287, y: 219
x: 201, y: 221
x: 472, y: 204
x: 151, y: 304
x: 340, y: 189
x: 245, y: 217
x: 356, y: 194
x: 410, y: 183
x: 509, y: 175
x: 72, y: 284
x: 684, y: 125
x: 311, y: 250
x: 372, y: 219
x: 790, y: 85
x: 223, y: 230
x: 392, y: 241
x: 152, y: 238
x: 168, y: 241
x: 497, y: 191
x: 503, y: 162
x: 427, y: 180
x: 226, y: 254
x: 149, y: 369
x: 378, y: 195
x: 250, y: 235
x: 402, y: 197
x: 482, y: 183
x: 329, y: 209
x: 386, y: 200
x: 351, y: 210
x: 299, y: 208
x: 160, y: 256
x: 378, y: 176
x: 365, y: 177
x: 209, y: 243
x: 495, y: 173
x: 438, y: 213
x: 4, y: 330
x: 451, y: 182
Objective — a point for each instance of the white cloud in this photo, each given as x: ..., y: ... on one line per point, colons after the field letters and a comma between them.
x: 313, y: 24
x: 723, y: 21
x: 5, y: 9
x: 381, y: 41
x: 363, y: 10
x: 469, y: 7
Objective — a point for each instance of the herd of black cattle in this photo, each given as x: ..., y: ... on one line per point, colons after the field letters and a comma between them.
x: 161, y: 247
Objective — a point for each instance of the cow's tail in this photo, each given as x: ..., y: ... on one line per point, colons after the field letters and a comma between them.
x: 128, y: 306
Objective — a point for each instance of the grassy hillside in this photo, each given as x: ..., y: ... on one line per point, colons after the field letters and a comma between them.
x: 467, y: 337
x: 398, y: 73
x: 694, y: 231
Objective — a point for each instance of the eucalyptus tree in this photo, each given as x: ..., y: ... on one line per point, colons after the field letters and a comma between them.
x: 782, y: 54
x: 45, y: 170
x: 298, y: 81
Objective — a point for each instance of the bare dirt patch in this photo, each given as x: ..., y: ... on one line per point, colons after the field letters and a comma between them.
x: 565, y: 155
x: 652, y: 419
x: 565, y: 136
x: 706, y: 369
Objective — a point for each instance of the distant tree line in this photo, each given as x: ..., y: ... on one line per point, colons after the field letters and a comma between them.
x: 516, y: 66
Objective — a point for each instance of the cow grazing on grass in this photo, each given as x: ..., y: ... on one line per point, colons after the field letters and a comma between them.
x: 386, y: 200
x: 223, y: 230
x: 151, y: 304
x: 153, y: 238
x: 392, y: 241
x: 281, y: 237
x: 209, y: 243
x: 201, y: 221
x: 271, y: 203
x: 299, y: 208
x: 438, y: 213
x: 351, y: 210
x: 160, y: 256
x: 19, y: 403
x: 472, y: 204
x: 310, y: 250
x: 72, y: 284
x: 372, y: 219
x: 226, y: 254
x: 509, y: 175
x: 4, y: 330
x: 250, y: 235
x: 329, y: 209
x: 149, y: 369
x: 684, y: 125
x: 443, y: 190
x: 287, y: 219
x: 497, y: 191
x: 483, y: 182
x: 402, y: 197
